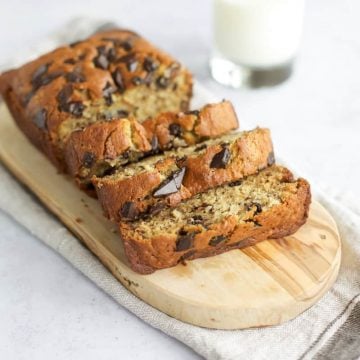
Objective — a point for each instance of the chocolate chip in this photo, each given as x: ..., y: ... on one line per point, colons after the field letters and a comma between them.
x: 132, y: 66
x: 101, y: 61
x: 235, y: 183
x: 258, y: 206
x: 129, y: 211
x: 88, y: 159
x: 41, y: 77
x: 40, y: 119
x: 107, y: 115
x: 82, y: 57
x: 196, y: 220
x: 122, y: 114
x: 192, y: 112
x: 101, y: 50
x: 26, y: 99
x: 111, y: 55
x: 271, y: 158
x: 108, y: 90
x: 200, y: 147
x: 167, y: 188
x: 154, y: 144
x: 48, y: 78
x: 136, y: 80
x: 185, y: 242
x: 70, y: 61
x: 126, y: 45
x: 118, y: 79
x: 64, y: 96
x: 148, y: 78
x: 109, y: 171
x: 156, y: 208
x: 175, y: 129
x: 171, y: 185
x: 76, y: 108
x: 130, y: 61
x: 39, y: 72
x: 150, y: 65
x: 162, y: 82
x: 215, y: 240
x: 75, y: 77
x: 220, y: 160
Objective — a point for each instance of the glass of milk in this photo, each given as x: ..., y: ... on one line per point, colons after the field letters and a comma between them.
x: 255, y: 41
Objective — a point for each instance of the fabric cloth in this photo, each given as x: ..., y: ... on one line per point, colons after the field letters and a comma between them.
x: 329, y: 330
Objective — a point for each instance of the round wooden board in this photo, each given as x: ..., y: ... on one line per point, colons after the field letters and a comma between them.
x: 262, y: 285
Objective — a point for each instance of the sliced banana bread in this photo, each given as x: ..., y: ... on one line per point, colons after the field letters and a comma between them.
x: 144, y: 188
x: 112, y: 73
x: 268, y: 205
x: 99, y: 147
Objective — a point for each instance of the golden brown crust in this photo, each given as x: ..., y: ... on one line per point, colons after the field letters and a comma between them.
x: 101, y: 143
x: 85, y: 80
x: 118, y: 142
x: 248, y: 153
x: 211, y: 121
x: 147, y: 255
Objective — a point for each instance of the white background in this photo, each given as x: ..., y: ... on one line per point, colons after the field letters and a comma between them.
x: 48, y: 310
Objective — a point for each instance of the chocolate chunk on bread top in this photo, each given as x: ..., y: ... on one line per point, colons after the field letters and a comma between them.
x: 268, y: 205
x: 112, y: 74
x: 165, y: 180
x: 104, y: 145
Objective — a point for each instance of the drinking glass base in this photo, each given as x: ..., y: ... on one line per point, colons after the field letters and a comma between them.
x: 235, y: 75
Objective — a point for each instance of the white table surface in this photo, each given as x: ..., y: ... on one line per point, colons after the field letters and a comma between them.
x: 48, y: 310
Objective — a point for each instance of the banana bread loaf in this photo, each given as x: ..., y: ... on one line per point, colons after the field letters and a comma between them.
x: 101, y: 146
x: 268, y: 205
x: 144, y: 188
x: 112, y: 74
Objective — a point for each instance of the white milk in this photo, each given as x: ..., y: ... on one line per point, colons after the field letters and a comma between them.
x: 258, y: 33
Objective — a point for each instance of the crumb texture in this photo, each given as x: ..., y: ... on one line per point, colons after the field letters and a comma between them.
x: 106, y: 145
x: 112, y: 74
x: 165, y: 180
x: 268, y: 205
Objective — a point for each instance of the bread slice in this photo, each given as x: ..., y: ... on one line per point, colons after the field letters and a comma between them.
x: 268, y: 205
x: 101, y: 146
x: 144, y: 188
x: 111, y: 74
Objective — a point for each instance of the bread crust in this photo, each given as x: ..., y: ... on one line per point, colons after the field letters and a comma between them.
x: 103, y: 143
x: 249, y: 153
x: 209, y: 122
x: 147, y: 255
x: 50, y: 95
x: 118, y: 142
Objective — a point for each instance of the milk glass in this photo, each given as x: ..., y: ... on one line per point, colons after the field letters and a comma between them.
x: 255, y: 41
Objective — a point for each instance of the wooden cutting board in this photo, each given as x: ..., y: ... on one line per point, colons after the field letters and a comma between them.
x: 265, y: 284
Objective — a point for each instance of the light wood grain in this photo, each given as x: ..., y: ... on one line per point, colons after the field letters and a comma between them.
x: 262, y: 285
